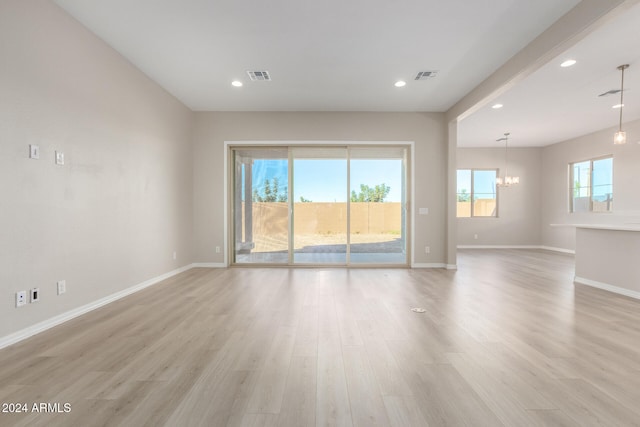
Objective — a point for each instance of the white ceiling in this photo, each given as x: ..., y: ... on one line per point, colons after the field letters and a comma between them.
x: 329, y: 55
x: 555, y: 104
x: 336, y: 55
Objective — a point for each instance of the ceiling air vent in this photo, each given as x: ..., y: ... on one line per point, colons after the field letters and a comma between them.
x: 259, y: 76
x: 424, y: 75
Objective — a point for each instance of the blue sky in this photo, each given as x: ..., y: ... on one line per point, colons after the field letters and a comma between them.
x: 325, y: 180
x: 602, y: 176
x: 484, y: 182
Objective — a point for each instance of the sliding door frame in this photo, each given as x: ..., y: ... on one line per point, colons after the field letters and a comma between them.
x: 229, y: 208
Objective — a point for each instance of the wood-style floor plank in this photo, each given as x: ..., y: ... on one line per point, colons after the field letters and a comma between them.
x: 367, y: 405
x: 403, y: 411
x: 299, y: 401
x: 507, y: 339
x: 333, y: 407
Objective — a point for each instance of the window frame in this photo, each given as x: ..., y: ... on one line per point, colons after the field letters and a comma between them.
x: 472, y: 192
x: 571, y: 183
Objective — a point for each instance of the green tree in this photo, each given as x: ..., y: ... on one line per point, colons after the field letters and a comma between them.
x: 463, y: 196
x: 375, y: 194
x: 270, y: 192
x: 303, y: 200
x: 276, y: 194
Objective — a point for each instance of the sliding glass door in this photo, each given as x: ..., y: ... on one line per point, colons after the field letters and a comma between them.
x: 377, y: 184
x: 312, y: 205
x: 260, y: 206
x: 319, y: 205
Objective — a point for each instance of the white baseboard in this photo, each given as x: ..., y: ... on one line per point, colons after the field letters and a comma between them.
x: 71, y: 314
x: 208, y: 265
x: 607, y: 287
x: 428, y: 265
x: 452, y: 266
x: 548, y: 248
x: 498, y: 247
x: 564, y: 251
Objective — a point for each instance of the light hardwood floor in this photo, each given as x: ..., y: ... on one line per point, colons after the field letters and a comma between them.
x: 508, y: 339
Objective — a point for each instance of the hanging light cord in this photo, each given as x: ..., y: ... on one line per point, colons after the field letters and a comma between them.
x: 506, y: 155
x: 505, y: 138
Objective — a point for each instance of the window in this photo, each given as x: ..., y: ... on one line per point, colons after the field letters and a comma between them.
x: 476, y: 193
x: 591, y: 185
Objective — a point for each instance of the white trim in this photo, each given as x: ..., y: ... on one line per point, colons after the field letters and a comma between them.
x: 290, y: 143
x: 498, y: 247
x: 629, y: 226
x: 429, y: 265
x: 225, y: 235
x: 607, y: 287
x: 564, y: 251
x: 410, y: 206
x: 298, y: 142
x: 548, y: 248
x: 452, y: 266
x: 208, y: 265
x: 71, y: 314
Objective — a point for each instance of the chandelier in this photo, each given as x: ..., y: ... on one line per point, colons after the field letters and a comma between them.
x: 506, y: 180
x: 620, y: 137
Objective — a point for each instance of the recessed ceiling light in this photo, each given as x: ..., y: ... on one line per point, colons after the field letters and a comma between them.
x: 236, y: 83
x: 618, y: 106
x: 400, y: 83
x: 568, y: 63
x: 496, y: 106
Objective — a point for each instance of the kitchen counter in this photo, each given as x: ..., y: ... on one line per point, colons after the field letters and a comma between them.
x: 608, y: 256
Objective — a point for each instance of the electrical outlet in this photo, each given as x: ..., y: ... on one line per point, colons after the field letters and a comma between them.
x: 427, y: 250
x: 62, y: 287
x: 475, y: 236
x: 21, y: 298
x: 35, y: 294
x: 175, y: 255
x: 34, y: 151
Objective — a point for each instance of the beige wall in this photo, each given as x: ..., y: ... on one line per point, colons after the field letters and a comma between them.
x: 626, y: 182
x: 543, y: 172
x: 481, y: 208
x: 518, y: 221
x: 428, y: 130
x: 112, y: 216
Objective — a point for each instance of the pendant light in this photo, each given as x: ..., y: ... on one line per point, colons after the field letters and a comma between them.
x: 507, y: 180
x: 620, y: 137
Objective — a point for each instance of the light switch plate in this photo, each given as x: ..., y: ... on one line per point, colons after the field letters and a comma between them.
x: 34, y: 151
x: 21, y: 298
x: 62, y: 287
x: 59, y: 158
x: 423, y: 211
